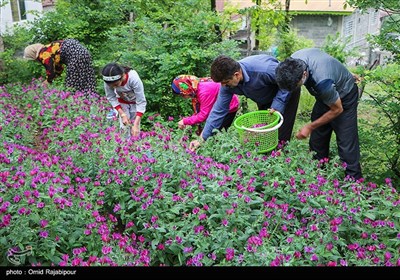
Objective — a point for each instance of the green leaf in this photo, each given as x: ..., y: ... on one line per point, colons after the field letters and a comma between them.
x: 370, y: 215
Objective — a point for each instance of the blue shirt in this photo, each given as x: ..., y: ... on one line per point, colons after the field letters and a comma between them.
x: 259, y: 84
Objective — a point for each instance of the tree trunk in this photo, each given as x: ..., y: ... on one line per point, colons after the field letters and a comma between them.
x: 257, y: 31
x: 287, y: 17
x: 248, y: 34
x: 216, y: 26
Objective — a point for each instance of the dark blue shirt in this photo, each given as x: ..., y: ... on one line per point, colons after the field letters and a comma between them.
x: 259, y: 84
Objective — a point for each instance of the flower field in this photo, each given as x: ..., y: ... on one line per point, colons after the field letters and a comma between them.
x: 75, y: 192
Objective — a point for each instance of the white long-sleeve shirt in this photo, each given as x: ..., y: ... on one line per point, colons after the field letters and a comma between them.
x: 132, y: 92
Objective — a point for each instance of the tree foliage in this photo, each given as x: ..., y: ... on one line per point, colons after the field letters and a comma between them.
x: 84, y: 20
x: 383, y: 90
x: 336, y: 46
x: 385, y: 100
x: 161, y: 46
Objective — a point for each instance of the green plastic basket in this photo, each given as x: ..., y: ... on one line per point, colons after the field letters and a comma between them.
x: 259, y: 130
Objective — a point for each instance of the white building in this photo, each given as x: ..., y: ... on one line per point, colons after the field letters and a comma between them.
x: 14, y: 12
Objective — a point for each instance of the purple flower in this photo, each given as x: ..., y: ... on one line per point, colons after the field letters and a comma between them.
x: 297, y: 254
x: 178, y: 239
x: 43, y: 223
x: 106, y: 250
x: 314, y: 257
x: 308, y: 249
x: 117, y: 207
x: 187, y: 250
x: 202, y: 216
x: 230, y: 254
x: 198, y: 229
x: 352, y: 247
x: 314, y: 227
x: 331, y: 263
x: 212, y: 256
x: 388, y: 256
x: 40, y: 205
x: 43, y: 234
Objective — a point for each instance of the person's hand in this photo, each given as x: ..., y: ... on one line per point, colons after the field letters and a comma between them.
x: 357, y: 78
x: 271, y: 110
x: 124, y: 118
x: 194, y: 145
x: 181, y: 125
x: 135, y: 130
x: 304, y: 132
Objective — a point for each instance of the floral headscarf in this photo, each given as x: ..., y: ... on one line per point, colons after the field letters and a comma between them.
x: 186, y: 85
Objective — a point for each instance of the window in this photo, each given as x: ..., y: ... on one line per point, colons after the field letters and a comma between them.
x: 18, y: 10
x: 375, y: 17
x: 348, y: 29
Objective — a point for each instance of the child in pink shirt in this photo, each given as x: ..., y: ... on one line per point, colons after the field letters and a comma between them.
x: 204, y: 93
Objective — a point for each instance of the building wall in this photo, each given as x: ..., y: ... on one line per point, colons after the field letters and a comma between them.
x: 359, y: 25
x: 356, y: 27
x: 317, y: 27
x: 6, y: 21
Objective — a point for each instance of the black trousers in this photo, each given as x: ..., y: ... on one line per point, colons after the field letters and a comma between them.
x: 346, y: 131
x: 289, y: 116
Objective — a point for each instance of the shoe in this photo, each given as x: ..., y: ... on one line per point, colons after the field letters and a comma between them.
x: 111, y: 115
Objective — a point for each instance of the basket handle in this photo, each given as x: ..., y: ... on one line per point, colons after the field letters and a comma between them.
x: 268, y: 129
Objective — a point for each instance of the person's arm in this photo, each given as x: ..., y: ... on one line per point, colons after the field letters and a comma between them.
x: 335, y: 110
x: 218, y: 112
x: 136, y: 125
x: 216, y: 117
x: 51, y: 66
x: 206, y: 105
x: 280, y: 100
x: 112, y: 98
x: 137, y: 85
